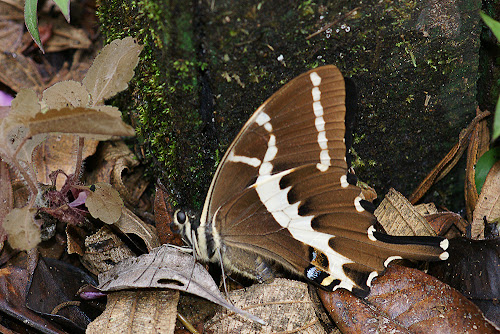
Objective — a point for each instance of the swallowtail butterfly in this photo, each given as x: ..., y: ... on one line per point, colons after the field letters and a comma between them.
x: 282, y: 195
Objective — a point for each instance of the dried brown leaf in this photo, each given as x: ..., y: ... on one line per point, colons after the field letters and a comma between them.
x: 65, y: 36
x: 447, y: 224
x: 112, y: 69
x: 18, y: 71
x: 284, y: 305
x: 103, y: 250
x: 488, y: 205
x: 130, y: 223
x: 104, y: 203
x: 10, y: 38
x: 21, y: 228
x: 166, y: 268
x: 139, y: 311
x: 66, y: 94
x: 163, y: 218
x: 58, y: 152
x: 408, y: 301
x: 399, y: 217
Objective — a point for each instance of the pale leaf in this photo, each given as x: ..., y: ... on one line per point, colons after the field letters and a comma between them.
x: 110, y: 110
x: 83, y: 122
x: 24, y: 106
x: 167, y: 268
x: 488, y: 204
x: 142, y: 311
x: 21, y: 228
x: 398, y: 217
x: 104, y: 203
x: 66, y: 94
x: 112, y: 69
x: 285, y: 305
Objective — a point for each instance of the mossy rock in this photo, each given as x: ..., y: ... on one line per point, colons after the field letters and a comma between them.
x: 207, y: 66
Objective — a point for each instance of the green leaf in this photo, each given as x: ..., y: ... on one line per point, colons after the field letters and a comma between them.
x: 492, y: 24
x: 64, y: 7
x: 496, y: 122
x: 484, y: 165
x: 31, y: 21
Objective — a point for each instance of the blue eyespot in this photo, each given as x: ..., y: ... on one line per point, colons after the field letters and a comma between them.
x: 181, y: 217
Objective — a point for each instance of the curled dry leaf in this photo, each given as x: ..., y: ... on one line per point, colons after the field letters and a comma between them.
x: 284, y: 305
x: 408, y: 301
x: 166, y: 267
x: 399, y: 217
x: 488, y: 205
x: 104, y: 203
x: 21, y: 228
x: 130, y: 223
x: 112, y: 69
x: 141, y: 311
x: 103, y: 250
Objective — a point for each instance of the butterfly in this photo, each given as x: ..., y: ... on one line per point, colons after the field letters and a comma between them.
x: 282, y: 197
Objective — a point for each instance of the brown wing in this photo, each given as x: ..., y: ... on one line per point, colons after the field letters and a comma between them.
x: 290, y: 115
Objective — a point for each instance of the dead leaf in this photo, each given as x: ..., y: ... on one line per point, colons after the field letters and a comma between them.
x: 103, y: 250
x: 104, y: 203
x: 142, y: 311
x: 479, y: 144
x: 6, y: 198
x: 21, y: 228
x: 58, y: 152
x: 66, y: 94
x: 112, y: 69
x: 447, y: 224
x: 11, y: 35
x: 409, y: 301
x: 399, y: 217
x: 65, y: 36
x: 284, y: 305
x: 130, y: 223
x: 449, y: 161
x: 167, y: 268
x: 488, y: 205
x: 24, y: 106
x: 472, y: 269
x: 17, y: 71
x: 163, y: 218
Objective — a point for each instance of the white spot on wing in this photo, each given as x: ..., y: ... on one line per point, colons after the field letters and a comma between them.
x: 315, y: 79
x: 357, y: 204
x: 390, y: 259
x: 268, y: 127
x: 444, y: 256
x: 444, y: 244
x: 246, y: 160
x: 316, y: 94
x: 318, y: 109
x: 370, y: 231
x: 372, y: 275
x: 262, y: 118
x: 343, y: 181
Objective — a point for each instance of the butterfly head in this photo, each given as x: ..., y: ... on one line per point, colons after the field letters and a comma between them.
x: 186, y: 224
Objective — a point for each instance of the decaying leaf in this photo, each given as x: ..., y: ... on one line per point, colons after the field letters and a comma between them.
x: 408, y: 301
x: 447, y: 224
x: 103, y: 250
x: 130, y: 223
x: 104, y: 203
x: 59, y: 152
x: 66, y: 94
x: 284, y: 305
x: 163, y: 218
x: 24, y: 106
x: 488, y: 205
x: 166, y: 267
x: 141, y: 311
x: 112, y: 69
x: 472, y: 269
x: 21, y: 228
x: 399, y: 217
